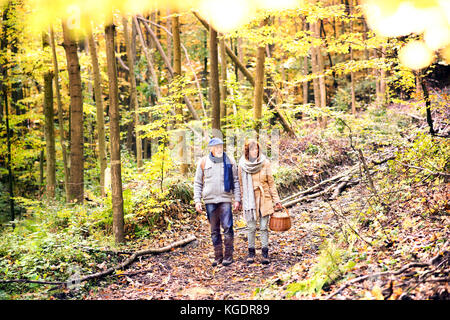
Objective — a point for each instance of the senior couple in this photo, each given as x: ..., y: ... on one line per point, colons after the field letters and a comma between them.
x: 219, y: 181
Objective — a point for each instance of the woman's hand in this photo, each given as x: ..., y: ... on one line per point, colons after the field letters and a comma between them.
x: 278, y: 206
x: 236, y: 206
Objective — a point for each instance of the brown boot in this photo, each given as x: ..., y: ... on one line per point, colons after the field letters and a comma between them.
x: 218, y: 255
x: 228, y: 257
x: 265, y: 256
x: 251, y: 255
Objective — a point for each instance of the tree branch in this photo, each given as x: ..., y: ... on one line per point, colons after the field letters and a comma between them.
x: 109, y: 271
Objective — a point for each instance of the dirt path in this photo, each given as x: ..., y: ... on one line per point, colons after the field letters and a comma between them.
x: 186, y: 273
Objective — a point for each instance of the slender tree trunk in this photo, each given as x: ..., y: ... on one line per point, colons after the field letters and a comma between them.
x: 214, y: 80
x: 305, y: 83
x: 133, y: 92
x: 50, y: 172
x: 315, y: 68
x: 177, y: 72
x: 223, y: 79
x: 116, y: 174
x: 305, y: 69
x: 60, y: 112
x: 426, y: 97
x: 100, y: 111
x: 382, y: 95
x: 322, y: 87
x: 352, y: 74
x: 259, y: 82
x: 4, y: 71
x: 240, y: 56
x: 169, y: 26
x: 41, y: 169
x: 76, y: 119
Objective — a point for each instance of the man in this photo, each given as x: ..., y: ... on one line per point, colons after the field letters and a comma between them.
x: 216, y: 181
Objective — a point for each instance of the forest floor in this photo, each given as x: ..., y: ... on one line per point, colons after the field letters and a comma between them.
x: 186, y: 272
x: 386, y: 242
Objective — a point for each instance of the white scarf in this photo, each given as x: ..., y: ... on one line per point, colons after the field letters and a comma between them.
x: 248, y: 195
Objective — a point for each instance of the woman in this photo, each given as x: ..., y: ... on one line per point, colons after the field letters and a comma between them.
x: 259, y: 194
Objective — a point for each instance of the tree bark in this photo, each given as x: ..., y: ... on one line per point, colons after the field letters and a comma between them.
x: 50, y: 171
x: 60, y: 112
x: 259, y: 82
x: 133, y: 92
x: 305, y: 68
x: 116, y: 174
x: 100, y: 110
x: 177, y: 72
x: 240, y: 56
x: 4, y: 71
x: 352, y: 74
x: 76, y: 187
x: 322, y: 87
x: 315, y: 68
x: 214, y: 80
x: 426, y: 97
x: 223, y: 79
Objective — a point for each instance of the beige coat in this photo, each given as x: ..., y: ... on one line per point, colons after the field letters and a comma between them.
x: 266, y: 195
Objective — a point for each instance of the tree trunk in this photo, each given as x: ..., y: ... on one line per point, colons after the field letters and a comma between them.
x: 100, y: 110
x: 214, y: 81
x: 60, y: 112
x: 305, y: 83
x: 223, y: 79
x: 169, y: 26
x: 382, y: 93
x: 133, y: 92
x: 116, y: 174
x: 50, y: 172
x: 305, y: 69
x: 177, y: 72
x: 352, y: 74
x: 322, y: 87
x: 4, y: 72
x: 240, y: 56
x: 76, y: 186
x: 426, y: 97
x: 315, y: 69
x: 259, y: 82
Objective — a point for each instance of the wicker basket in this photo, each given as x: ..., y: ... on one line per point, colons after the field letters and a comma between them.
x: 280, y: 220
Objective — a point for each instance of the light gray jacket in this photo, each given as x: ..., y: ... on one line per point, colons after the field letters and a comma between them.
x: 211, y: 188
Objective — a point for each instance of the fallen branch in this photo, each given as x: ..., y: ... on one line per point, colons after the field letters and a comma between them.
x: 384, y: 273
x: 339, y: 182
x: 309, y: 190
x: 111, y: 270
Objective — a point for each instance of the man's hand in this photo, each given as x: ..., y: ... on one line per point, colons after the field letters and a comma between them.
x: 236, y: 205
x: 198, y: 207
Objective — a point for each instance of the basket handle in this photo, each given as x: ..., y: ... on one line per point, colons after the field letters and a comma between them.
x: 285, y: 210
